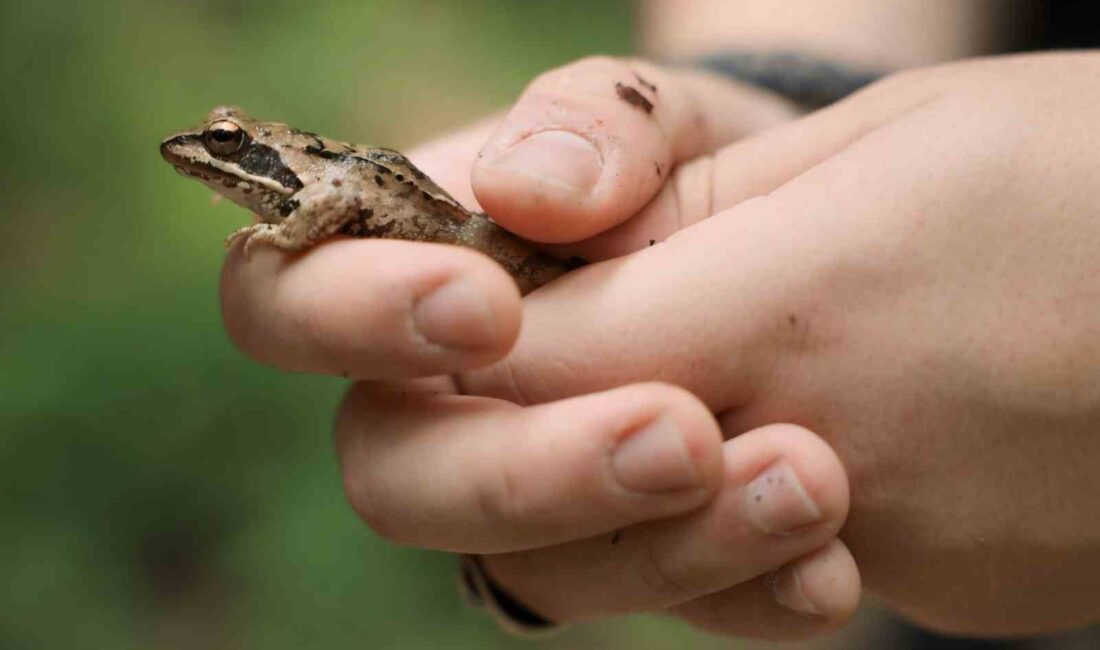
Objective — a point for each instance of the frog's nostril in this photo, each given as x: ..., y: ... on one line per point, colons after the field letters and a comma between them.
x: 169, y: 147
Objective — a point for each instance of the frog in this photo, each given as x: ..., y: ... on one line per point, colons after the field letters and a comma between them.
x: 305, y: 189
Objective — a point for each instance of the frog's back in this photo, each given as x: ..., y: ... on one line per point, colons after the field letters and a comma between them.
x: 404, y: 168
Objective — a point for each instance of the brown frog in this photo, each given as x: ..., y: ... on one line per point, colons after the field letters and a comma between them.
x: 305, y: 188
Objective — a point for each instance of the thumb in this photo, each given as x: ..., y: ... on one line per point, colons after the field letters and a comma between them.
x: 587, y: 145
x: 707, y: 310
x: 755, y: 166
x: 718, y: 304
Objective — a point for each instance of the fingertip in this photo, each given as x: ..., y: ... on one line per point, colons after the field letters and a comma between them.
x: 813, y: 595
x: 476, y: 310
x: 702, y: 435
x: 583, y: 149
x: 824, y: 584
x: 542, y: 187
x: 612, y: 459
x: 658, y: 443
x: 818, y: 468
x: 370, y: 308
x: 425, y: 466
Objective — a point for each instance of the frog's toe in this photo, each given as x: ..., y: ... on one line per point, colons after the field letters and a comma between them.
x: 249, y: 244
x: 237, y: 235
x: 251, y: 235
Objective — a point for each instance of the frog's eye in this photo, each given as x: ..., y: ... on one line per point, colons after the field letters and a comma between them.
x: 223, y: 138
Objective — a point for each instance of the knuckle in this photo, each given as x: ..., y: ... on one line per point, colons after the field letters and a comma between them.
x: 524, y: 377
x: 693, y: 190
x: 506, y: 500
x: 660, y: 576
x: 731, y: 528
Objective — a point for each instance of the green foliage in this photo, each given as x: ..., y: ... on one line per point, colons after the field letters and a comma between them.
x: 156, y: 488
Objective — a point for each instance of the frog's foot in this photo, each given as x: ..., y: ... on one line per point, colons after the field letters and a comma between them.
x: 249, y: 234
x: 281, y: 236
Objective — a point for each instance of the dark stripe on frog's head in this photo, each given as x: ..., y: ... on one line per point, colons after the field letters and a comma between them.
x: 254, y: 158
x: 261, y: 160
x: 288, y: 206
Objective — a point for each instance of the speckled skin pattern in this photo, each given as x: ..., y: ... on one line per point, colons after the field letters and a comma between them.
x: 305, y: 188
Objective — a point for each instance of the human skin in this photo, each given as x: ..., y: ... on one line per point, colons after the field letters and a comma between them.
x: 913, y: 275
x: 545, y: 476
x: 910, y: 273
x: 959, y: 543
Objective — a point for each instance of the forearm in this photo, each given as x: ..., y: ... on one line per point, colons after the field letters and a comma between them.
x: 880, y: 34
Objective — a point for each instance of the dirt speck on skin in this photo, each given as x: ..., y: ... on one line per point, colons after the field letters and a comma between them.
x: 630, y: 95
x: 652, y: 88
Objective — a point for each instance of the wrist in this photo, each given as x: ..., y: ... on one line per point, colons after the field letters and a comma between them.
x: 888, y: 35
x: 805, y: 81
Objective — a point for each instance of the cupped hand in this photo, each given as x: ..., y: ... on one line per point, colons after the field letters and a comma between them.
x: 380, y: 309
x: 619, y: 501
x: 912, y: 274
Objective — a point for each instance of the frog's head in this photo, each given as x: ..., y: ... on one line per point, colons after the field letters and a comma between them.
x: 240, y: 159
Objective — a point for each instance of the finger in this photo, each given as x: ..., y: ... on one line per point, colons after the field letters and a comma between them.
x: 815, y: 594
x: 754, y: 166
x: 708, y: 310
x: 748, y: 283
x: 478, y: 475
x: 784, y: 494
x: 587, y: 145
x: 370, y: 308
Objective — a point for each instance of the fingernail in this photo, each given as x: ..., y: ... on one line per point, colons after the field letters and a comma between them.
x: 456, y: 315
x: 654, y: 459
x: 787, y: 591
x: 777, y: 502
x: 555, y: 157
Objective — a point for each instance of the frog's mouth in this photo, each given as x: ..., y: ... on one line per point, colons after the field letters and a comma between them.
x: 207, y: 174
x: 186, y: 154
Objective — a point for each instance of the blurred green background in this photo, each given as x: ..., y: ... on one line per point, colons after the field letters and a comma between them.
x: 156, y: 488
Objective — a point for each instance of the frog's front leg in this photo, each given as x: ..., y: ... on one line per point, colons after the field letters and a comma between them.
x: 246, y: 233
x: 322, y: 209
